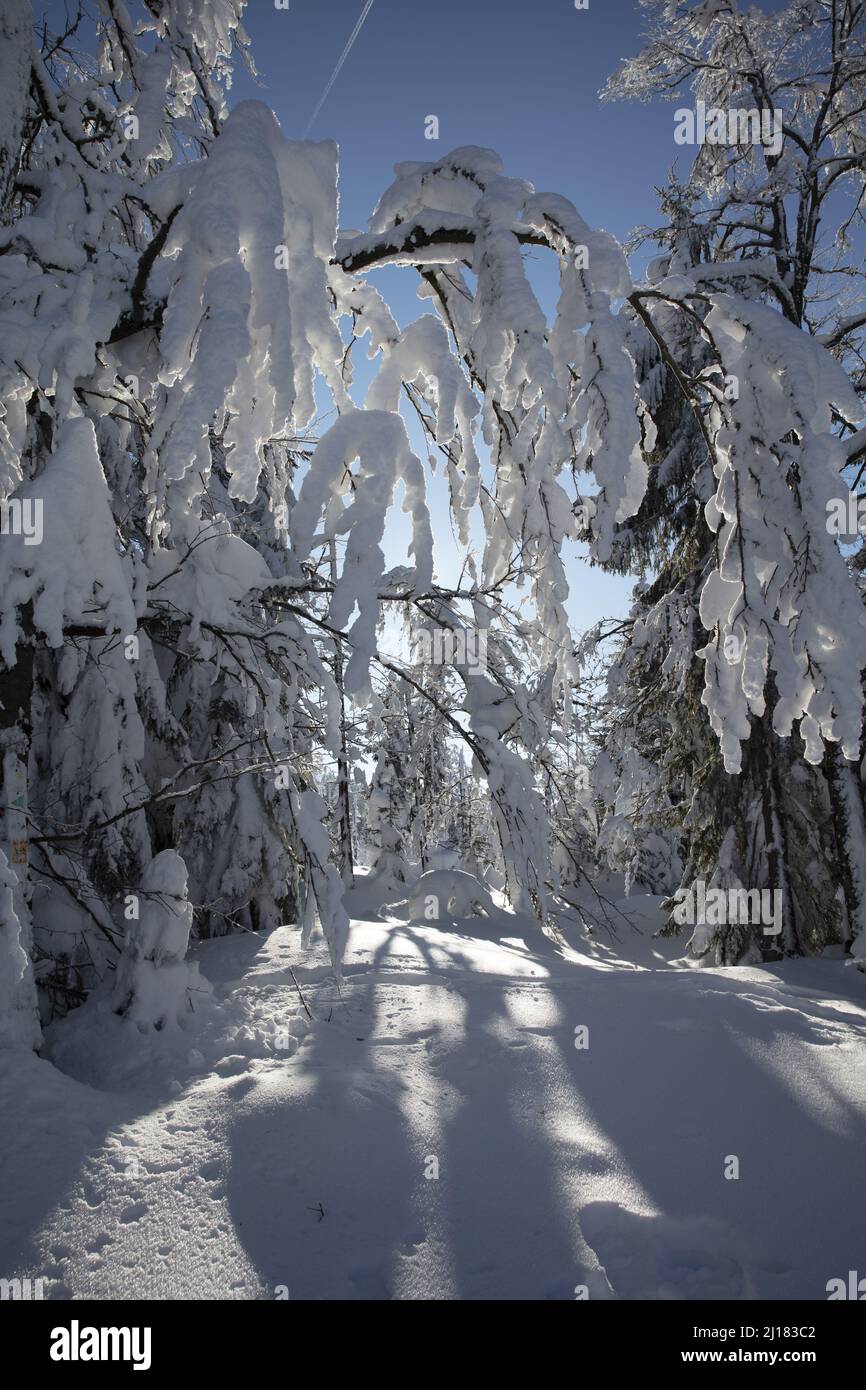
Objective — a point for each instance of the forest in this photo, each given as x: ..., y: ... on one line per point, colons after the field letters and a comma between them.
x: 304, y: 743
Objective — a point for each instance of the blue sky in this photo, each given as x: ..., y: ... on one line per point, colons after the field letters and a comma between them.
x: 519, y: 77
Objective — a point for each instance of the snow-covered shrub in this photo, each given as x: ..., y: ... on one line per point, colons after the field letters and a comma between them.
x: 443, y: 895
x: 156, y: 986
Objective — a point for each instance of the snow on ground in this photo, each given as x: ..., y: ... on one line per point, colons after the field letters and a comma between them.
x: 258, y: 1153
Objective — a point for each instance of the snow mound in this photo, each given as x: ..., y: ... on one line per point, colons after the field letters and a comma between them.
x: 244, y: 1019
x: 155, y: 983
x: 444, y: 895
x: 658, y: 1258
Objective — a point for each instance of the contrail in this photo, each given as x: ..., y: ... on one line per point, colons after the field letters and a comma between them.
x: 340, y: 61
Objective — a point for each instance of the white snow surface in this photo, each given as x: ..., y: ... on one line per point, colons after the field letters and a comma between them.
x: 259, y: 1153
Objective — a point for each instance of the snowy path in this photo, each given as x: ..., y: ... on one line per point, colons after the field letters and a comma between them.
x: 264, y: 1151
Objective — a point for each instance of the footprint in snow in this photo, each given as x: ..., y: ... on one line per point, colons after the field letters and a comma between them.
x: 658, y: 1257
x: 413, y: 1242
x: 232, y: 1065
x: 134, y: 1212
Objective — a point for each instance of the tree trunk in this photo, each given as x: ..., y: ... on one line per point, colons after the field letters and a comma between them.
x: 846, y: 800
x: 16, y: 687
x: 347, y: 858
x: 16, y: 29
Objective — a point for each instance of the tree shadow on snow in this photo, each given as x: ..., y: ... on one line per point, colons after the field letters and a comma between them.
x: 322, y: 1171
x: 474, y: 1153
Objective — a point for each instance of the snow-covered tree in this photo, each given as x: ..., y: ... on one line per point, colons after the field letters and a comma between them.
x: 734, y: 353
x: 392, y: 799
x: 168, y: 705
